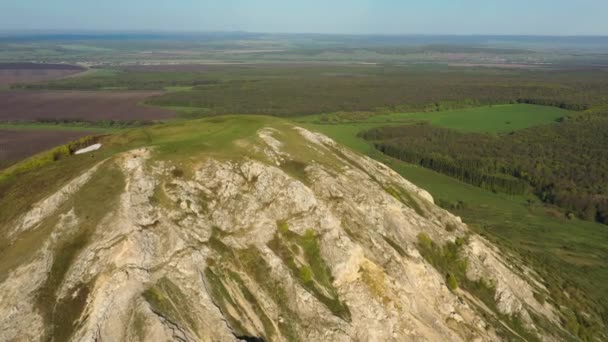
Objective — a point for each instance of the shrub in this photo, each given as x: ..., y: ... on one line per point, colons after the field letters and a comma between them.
x: 452, y: 282
x: 306, y: 274
x: 539, y: 298
x: 450, y: 227
x: 177, y: 173
x: 283, y: 227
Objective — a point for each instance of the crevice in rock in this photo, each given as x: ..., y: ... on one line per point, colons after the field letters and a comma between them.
x: 249, y: 338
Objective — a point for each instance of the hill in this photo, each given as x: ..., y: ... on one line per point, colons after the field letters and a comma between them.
x: 247, y: 228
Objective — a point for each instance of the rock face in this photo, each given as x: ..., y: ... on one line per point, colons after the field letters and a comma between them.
x: 300, y: 239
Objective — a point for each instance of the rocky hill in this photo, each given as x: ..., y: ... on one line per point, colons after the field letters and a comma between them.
x: 248, y: 229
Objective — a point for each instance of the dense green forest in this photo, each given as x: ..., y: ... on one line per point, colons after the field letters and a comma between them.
x: 564, y: 164
x: 392, y: 90
x: 304, y: 89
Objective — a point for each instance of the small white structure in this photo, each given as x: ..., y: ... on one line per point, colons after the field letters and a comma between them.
x: 88, y: 149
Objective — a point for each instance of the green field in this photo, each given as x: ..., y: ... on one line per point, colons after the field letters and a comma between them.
x: 488, y: 119
x: 494, y: 119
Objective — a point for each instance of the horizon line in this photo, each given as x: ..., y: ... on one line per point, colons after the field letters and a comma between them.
x: 42, y: 32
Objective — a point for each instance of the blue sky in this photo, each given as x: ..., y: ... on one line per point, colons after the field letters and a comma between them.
x: 539, y: 17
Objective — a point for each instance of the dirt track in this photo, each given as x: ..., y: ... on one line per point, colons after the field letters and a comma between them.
x: 84, y: 105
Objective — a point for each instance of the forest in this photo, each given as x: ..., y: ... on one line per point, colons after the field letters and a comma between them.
x: 563, y: 164
x: 292, y: 90
x: 390, y: 90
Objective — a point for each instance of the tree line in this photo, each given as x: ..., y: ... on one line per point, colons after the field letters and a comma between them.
x: 466, y: 171
x: 564, y: 164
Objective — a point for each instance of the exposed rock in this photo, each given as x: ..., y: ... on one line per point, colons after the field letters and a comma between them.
x: 47, y: 206
x: 244, y: 248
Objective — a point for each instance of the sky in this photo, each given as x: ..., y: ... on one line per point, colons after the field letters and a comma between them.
x: 525, y: 17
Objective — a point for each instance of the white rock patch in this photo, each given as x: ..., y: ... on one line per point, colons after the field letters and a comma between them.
x: 88, y: 149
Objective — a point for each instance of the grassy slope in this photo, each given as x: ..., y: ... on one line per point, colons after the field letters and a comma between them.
x: 571, y: 252
x: 180, y: 140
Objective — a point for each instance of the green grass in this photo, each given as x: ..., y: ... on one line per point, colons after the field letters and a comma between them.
x: 489, y: 119
x: 187, y: 139
x: 29, y: 181
x: 258, y: 269
x: 168, y: 300
x: 178, y: 88
x: 189, y: 113
x: 494, y: 119
x: 302, y: 255
x: 221, y: 272
x: 222, y: 298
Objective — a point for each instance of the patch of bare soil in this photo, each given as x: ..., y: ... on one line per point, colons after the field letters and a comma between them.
x: 84, y: 105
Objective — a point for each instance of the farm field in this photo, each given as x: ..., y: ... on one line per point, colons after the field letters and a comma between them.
x: 488, y: 119
x: 19, y: 144
x: 243, y: 67
x: 495, y: 119
x: 20, y: 73
x: 238, y: 47
x: 81, y: 105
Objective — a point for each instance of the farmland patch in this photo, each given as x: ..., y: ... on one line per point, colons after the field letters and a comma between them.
x: 19, y: 73
x: 84, y: 105
x: 20, y: 144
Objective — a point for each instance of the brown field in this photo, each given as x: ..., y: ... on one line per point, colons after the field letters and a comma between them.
x: 82, y: 105
x: 180, y: 67
x: 218, y: 66
x: 14, y: 73
x: 16, y: 145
